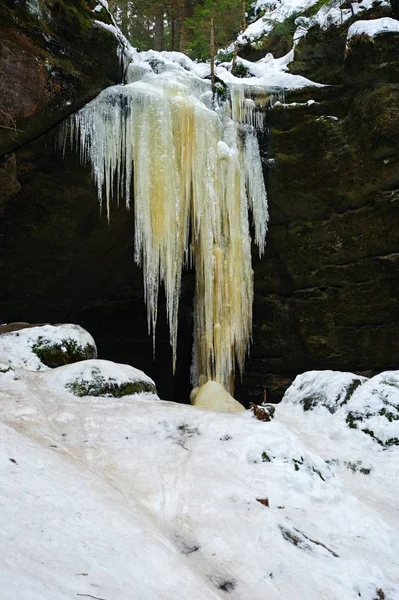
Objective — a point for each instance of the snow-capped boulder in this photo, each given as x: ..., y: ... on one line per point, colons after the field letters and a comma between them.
x: 47, y: 346
x: 331, y: 389
x: 213, y: 396
x: 100, y: 378
x: 368, y: 405
x: 374, y: 408
x: 373, y: 27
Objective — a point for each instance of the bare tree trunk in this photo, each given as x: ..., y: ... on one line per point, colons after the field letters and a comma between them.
x: 212, y: 48
x: 173, y: 25
x: 234, y: 61
x: 124, y: 18
x: 243, y: 16
x: 180, y: 16
x: 148, y: 24
x: 158, y: 28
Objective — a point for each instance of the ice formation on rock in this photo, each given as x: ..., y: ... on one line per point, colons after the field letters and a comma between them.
x: 195, y: 169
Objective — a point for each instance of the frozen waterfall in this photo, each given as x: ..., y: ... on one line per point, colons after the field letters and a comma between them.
x: 195, y: 170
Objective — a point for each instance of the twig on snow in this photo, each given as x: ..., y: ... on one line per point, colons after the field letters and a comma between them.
x: 90, y: 596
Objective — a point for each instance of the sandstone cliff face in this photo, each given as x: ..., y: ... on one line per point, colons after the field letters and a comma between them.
x: 52, y: 61
x: 326, y: 291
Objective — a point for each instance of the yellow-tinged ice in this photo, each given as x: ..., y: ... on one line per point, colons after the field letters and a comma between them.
x: 213, y: 396
x: 196, y: 172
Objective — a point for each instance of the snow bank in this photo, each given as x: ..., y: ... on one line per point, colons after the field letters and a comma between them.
x: 100, y: 378
x: 154, y: 500
x: 373, y: 27
x: 40, y: 348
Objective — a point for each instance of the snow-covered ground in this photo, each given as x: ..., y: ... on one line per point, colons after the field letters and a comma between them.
x: 137, y: 498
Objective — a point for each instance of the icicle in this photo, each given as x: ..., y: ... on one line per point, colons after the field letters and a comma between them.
x: 195, y: 170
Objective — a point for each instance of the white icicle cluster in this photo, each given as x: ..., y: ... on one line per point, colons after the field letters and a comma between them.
x: 196, y: 172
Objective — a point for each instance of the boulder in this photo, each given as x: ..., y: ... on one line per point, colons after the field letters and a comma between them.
x: 45, y: 347
x: 100, y: 378
x: 330, y: 389
x: 374, y: 409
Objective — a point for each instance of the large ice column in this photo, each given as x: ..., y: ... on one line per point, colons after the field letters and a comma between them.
x: 196, y: 173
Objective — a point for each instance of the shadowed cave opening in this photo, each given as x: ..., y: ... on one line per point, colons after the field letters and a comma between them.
x: 62, y: 262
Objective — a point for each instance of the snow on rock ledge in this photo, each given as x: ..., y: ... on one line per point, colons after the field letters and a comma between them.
x: 330, y: 389
x: 100, y: 378
x: 373, y: 27
x: 374, y: 408
x: 47, y: 346
x: 369, y: 405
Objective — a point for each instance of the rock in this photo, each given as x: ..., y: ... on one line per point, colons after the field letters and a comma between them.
x: 367, y: 405
x: 330, y: 389
x: 325, y: 291
x: 101, y: 378
x: 9, y: 184
x: 39, y: 348
x: 263, y: 412
x: 213, y: 396
x: 366, y: 56
x: 8, y: 371
x: 53, y: 60
x: 15, y: 327
x: 374, y: 409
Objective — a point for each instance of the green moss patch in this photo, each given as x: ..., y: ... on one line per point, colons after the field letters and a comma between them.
x: 65, y: 353
x: 99, y: 385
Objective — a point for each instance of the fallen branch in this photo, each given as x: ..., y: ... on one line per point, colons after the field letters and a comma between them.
x: 13, y: 126
x: 90, y: 596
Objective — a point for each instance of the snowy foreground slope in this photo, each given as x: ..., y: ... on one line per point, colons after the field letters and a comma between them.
x: 134, y: 498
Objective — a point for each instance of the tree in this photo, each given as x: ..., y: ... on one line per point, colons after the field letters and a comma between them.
x: 227, y: 15
x: 179, y: 24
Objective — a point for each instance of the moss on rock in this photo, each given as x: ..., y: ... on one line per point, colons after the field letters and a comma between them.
x: 52, y: 61
x: 58, y: 354
x: 99, y: 385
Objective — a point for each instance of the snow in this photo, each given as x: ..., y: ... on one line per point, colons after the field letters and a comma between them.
x: 16, y: 346
x: 373, y: 27
x: 326, y: 388
x: 369, y: 405
x: 34, y: 7
x: 273, y: 77
x: 277, y: 11
x: 153, y: 500
x: 87, y: 371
